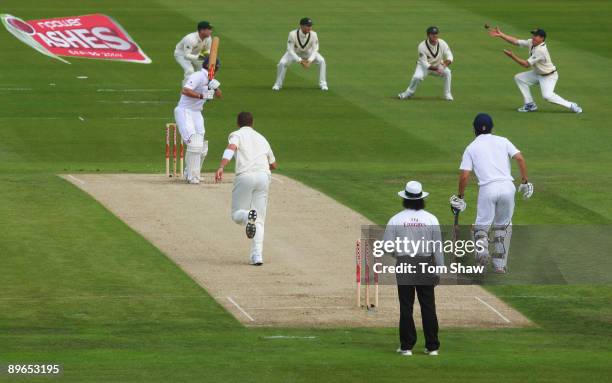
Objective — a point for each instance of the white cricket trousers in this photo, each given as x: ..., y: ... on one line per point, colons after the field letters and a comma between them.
x: 189, y: 122
x: 287, y: 59
x: 421, y: 72
x: 189, y: 67
x: 251, y: 192
x: 496, y: 207
x: 547, y: 86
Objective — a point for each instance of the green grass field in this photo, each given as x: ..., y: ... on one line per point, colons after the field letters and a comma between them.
x: 78, y: 287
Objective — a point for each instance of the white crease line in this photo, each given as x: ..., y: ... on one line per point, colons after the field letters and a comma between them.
x: 246, y: 314
x: 278, y: 180
x: 15, y: 88
x: 493, y: 309
x: 76, y: 179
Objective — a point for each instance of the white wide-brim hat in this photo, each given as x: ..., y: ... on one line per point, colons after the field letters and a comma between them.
x: 414, y: 190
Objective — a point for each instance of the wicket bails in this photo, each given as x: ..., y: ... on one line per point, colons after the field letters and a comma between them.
x: 171, y: 127
x: 361, y: 257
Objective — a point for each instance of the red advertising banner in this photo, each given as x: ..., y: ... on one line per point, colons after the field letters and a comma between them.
x: 91, y: 36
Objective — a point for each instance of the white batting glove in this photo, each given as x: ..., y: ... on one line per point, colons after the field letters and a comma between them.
x: 209, y: 94
x: 526, y: 189
x: 457, y: 203
x: 213, y: 84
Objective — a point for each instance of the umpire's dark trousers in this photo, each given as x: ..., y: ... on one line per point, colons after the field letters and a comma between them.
x: 427, y: 301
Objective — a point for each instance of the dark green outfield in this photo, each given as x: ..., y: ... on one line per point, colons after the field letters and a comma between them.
x: 78, y: 287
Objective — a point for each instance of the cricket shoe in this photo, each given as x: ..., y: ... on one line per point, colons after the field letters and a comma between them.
x: 193, y: 181
x: 500, y: 270
x: 250, y: 226
x: 431, y: 353
x: 575, y: 108
x: 256, y: 260
x: 404, y: 95
x: 323, y: 87
x: 529, y: 107
x: 448, y: 97
x: 276, y: 88
x: 404, y: 352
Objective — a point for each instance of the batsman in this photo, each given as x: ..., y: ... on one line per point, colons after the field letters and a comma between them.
x: 199, y: 88
x: 489, y: 157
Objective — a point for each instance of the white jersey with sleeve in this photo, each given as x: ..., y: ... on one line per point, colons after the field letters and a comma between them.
x: 191, y: 45
x: 433, y: 55
x: 416, y: 225
x: 489, y: 157
x: 198, y: 82
x: 303, y: 46
x: 253, y: 153
x: 539, y: 58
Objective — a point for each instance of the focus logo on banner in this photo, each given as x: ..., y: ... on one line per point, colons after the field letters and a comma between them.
x: 91, y: 36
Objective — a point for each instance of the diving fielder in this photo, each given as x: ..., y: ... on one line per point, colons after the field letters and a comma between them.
x: 302, y: 47
x: 190, y: 51
x: 435, y: 57
x: 489, y: 157
x: 188, y: 116
x: 254, y: 162
x: 543, y: 71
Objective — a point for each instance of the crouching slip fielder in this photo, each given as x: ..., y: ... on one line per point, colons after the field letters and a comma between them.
x: 188, y: 116
x: 254, y: 161
x: 188, y: 50
x: 543, y: 71
x: 489, y: 157
x: 435, y: 57
x: 302, y: 47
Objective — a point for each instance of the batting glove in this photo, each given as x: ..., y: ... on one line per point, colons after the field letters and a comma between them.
x: 457, y: 203
x: 214, y: 84
x: 209, y: 94
x: 526, y: 189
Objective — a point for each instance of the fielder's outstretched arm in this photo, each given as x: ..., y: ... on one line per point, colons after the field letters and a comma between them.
x: 518, y: 60
x: 496, y: 32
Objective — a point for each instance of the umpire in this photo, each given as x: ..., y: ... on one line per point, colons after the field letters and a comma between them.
x: 415, y: 224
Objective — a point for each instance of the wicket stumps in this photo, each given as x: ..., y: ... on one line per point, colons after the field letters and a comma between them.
x: 176, y: 150
x: 361, y: 257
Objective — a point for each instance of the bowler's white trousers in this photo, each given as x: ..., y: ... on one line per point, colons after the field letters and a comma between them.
x: 288, y: 59
x: 547, y: 85
x: 251, y: 192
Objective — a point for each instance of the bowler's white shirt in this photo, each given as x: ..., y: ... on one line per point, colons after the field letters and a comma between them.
x: 416, y: 225
x: 433, y: 55
x: 191, y: 45
x: 539, y: 58
x: 253, y: 153
x: 198, y: 82
x: 489, y: 157
x: 303, y: 46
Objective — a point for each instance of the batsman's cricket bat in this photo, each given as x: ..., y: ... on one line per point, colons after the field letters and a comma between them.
x: 212, y: 58
x: 455, y: 237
